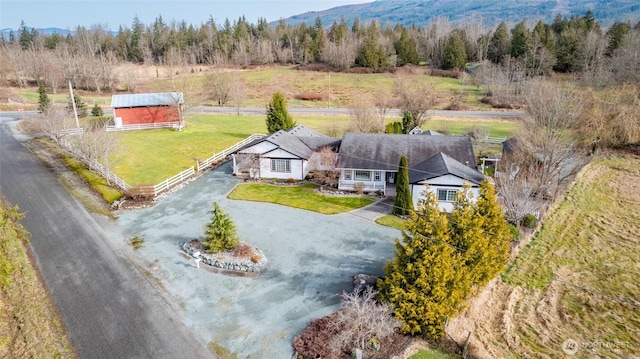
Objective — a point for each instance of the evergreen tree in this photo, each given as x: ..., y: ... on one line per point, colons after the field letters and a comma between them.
x: 407, y: 120
x: 403, y: 203
x: 520, y: 41
x: 495, y: 226
x: 454, y: 55
x: 81, y: 107
x: 499, y: 44
x: 97, y: 110
x: 220, y: 234
x: 616, y: 34
x: 278, y: 117
x: 393, y: 127
x: 406, y: 49
x: 426, y: 281
x: 44, y: 103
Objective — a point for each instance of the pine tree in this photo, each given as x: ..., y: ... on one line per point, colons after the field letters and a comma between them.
x: 520, y: 41
x: 278, y: 117
x: 499, y: 44
x: 407, y: 120
x: 406, y: 49
x: 44, y: 103
x: 220, y: 234
x: 426, y: 281
x: 403, y: 203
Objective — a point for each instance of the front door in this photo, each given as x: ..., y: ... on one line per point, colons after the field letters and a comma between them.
x: 391, y: 177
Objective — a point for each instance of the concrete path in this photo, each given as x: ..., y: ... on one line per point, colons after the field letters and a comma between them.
x: 375, y: 210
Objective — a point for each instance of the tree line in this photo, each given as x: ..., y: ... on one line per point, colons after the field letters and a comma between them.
x: 88, y: 56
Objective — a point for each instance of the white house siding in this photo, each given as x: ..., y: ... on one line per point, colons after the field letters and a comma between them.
x: 297, y: 165
x: 371, y: 185
x: 447, y: 182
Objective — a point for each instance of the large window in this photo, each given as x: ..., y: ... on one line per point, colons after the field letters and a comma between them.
x: 281, y: 166
x: 363, y: 175
x: 446, y: 195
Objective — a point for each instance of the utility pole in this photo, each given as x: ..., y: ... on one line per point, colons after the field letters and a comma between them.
x: 75, y: 110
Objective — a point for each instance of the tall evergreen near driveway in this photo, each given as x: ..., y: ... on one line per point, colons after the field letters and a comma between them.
x: 403, y: 204
x: 278, y: 117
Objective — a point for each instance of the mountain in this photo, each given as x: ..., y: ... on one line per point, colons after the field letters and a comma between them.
x: 490, y: 12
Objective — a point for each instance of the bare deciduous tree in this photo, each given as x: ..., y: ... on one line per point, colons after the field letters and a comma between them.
x: 361, y: 319
x: 323, y: 163
x: 517, y: 194
x: 415, y: 97
x: 546, y: 142
x: 384, y: 103
x: 363, y: 119
x: 237, y: 91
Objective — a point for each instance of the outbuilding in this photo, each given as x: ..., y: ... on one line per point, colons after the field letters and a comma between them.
x: 148, y: 110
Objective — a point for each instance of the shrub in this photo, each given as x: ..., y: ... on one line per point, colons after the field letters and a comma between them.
x: 308, y: 96
x: 358, y: 187
x: 244, y: 250
x: 290, y: 180
x: 515, y: 232
x: 97, y: 110
x: 529, y: 221
x: 454, y: 74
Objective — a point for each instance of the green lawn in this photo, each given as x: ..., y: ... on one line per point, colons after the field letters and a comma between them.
x: 433, y: 354
x: 298, y: 196
x: 391, y: 220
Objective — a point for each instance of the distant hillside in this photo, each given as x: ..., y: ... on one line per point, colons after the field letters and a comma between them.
x: 491, y: 12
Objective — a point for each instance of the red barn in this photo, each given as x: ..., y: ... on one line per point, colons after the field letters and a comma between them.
x: 148, y: 110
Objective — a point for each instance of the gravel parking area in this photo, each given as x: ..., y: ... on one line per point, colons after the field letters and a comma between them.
x: 311, y: 260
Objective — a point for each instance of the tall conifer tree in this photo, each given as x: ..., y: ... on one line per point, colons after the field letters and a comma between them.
x: 403, y: 204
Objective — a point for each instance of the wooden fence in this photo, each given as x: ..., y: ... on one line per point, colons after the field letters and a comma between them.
x: 151, y: 192
x: 146, y: 126
x: 220, y: 156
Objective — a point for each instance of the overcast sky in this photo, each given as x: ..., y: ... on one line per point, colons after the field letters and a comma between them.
x: 112, y: 14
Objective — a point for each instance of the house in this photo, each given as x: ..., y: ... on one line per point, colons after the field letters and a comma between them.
x: 148, y: 110
x: 443, y: 163
x: 283, y: 154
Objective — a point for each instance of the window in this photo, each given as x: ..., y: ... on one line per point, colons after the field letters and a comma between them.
x: 446, y: 195
x: 281, y: 166
x: 363, y: 175
x: 377, y: 176
x: 347, y: 175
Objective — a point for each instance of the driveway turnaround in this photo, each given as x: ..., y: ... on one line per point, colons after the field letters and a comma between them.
x: 311, y: 259
x: 109, y: 308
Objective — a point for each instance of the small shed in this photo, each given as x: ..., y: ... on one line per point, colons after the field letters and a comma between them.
x: 148, y: 109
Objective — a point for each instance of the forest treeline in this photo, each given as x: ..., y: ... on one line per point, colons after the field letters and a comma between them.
x: 87, y: 57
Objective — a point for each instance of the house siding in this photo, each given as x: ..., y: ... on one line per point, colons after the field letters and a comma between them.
x: 298, y: 169
x: 447, y: 182
x: 369, y: 186
x: 145, y: 115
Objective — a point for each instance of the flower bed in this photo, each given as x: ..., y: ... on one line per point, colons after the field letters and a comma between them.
x: 226, y: 260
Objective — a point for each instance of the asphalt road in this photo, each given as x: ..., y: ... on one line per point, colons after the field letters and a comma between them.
x: 109, y: 307
x: 332, y: 111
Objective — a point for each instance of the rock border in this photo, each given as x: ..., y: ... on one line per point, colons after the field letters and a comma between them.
x: 224, y: 261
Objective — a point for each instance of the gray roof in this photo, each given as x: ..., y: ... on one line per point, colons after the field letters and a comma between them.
x: 304, y: 131
x: 431, y: 133
x: 147, y: 99
x: 290, y: 143
x: 383, y: 151
x: 441, y: 164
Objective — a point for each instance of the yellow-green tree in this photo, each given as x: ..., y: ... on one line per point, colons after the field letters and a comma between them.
x: 426, y: 281
x: 494, y: 225
x: 220, y: 233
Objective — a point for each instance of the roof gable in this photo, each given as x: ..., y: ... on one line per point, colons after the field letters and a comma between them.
x: 441, y: 164
x: 147, y: 99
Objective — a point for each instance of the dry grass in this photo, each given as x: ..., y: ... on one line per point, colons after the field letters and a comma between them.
x: 577, y: 279
x: 29, y: 324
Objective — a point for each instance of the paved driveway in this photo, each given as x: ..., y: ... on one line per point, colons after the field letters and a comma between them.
x: 311, y: 260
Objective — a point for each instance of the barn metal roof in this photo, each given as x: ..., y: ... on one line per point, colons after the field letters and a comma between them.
x: 147, y: 99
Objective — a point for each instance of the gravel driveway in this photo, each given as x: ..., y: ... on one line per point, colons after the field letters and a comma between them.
x: 311, y: 260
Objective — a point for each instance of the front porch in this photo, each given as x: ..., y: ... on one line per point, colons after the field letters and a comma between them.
x: 368, y: 181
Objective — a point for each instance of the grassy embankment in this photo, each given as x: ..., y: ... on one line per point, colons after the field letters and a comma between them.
x: 302, y: 196
x: 29, y: 324
x: 578, y: 278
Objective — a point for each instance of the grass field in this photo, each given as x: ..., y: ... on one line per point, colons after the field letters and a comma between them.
x: 29, y: 325
x: 299, y: 196
x: 578, y: 278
